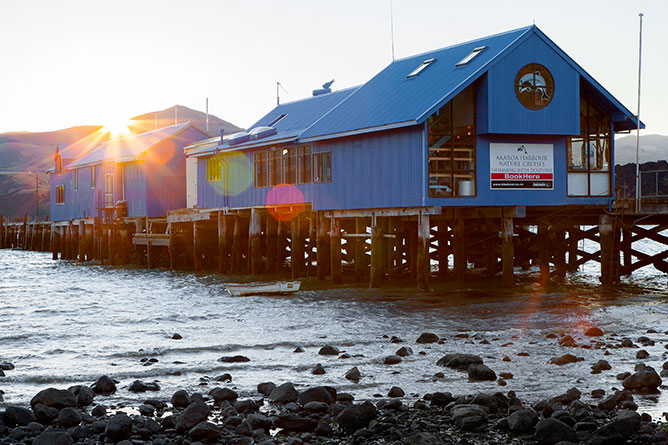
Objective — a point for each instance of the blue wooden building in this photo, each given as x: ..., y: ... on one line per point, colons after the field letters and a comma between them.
x: 505, y: 120
x: 146, y: 171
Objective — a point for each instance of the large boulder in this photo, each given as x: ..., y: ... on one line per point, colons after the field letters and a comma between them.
x: 17, y: 415
x: 284, y: 393
x: 221, y: 394
x: 619, y: 430
x: 355, y: 417
x: 469, y: 416
x: 45, y: 414
x: 69, y: 417
x: 459, y: 361
x: 565, y: 360
x: 180, y: 399
x: 205, y: 431
x: 292, y: 422
x: 324, y: 394
x: 84, y: 394
x: 522, y: 421
x: 56, y: 398
x: 329, y: 350
x: 551, y: 431
x: 53, y: 438
x: 480, y: 372
x: 119, y: 427
x: 427, y: 337
x: 645, y: 380
x: 139, y: 386
x: 198, y: 411
x: 104, y: 385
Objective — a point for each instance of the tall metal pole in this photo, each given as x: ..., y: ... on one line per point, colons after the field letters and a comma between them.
x: 207, y: 114
x: 638, y: 118
x: 392, y: 26
x: 36, y: 197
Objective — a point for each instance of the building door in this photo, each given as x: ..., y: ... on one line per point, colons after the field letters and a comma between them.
x: 191, y: 182
x: 109, y: 190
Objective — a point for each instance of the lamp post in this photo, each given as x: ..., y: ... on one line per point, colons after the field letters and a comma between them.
x: 638, y: 120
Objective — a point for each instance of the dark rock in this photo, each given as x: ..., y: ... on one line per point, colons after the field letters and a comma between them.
x: 404, y: 351
x: 625, y: 423
x: 427, y: 337
x: 221, y: 394
x: 396, y: 339
x: 612, y: 401
x: 318, y: 370
x: 323, y: 429
x: 53, y: 438
x: 180, y: 399
x: 119, y: 427
x: 146, y: 410
x: 45, y: 414
x: 196, y: 412
x: 298, y: 350
x: 104, y: 385
x: 266, y: 388
x: 623, y: 375
x: 506, y: 375
x: 551, y: 431
x: 205, y: 431
x: 355, y: 417
x: 353, y: 374
x: 422, y: 439
x: 565, y: 359
x: 56, y: 398
x: 522, y: 421
x: 344, y: 397
x: 259, y: 422
x: 601, y: 365
x: 323, y: 394
x: 646, y: 380
x: 6, y: 366
x: 567, y: 341
x: 99, y: 411
x: 246, y: 405
x: 234, y: 359
x: 597, y: 393
x: 139, y: 386
x: 329, y: 350
x: 69, y: 417
x: 291, y: 422
x: 316, y: 407
x: 480, y: 372
x: 84, y: 394
x: 593, y: 332
x: 392, y: 360
x: 626, y: 343
x: 642, y: 354
x: 17, y: 415
x: 244, y: 429
x: 176, y: 336
x: 468, y: 416
x: 564, y: 416
x: 395, y: 391
x: 441, y: 398
x: 459, y: 361
x: 224, y: 378
x: 284, y: 393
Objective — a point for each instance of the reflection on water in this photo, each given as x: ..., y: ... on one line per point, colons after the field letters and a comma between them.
x: 63, y: 324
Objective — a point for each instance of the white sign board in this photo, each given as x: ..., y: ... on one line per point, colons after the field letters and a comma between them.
x: 521, y: 166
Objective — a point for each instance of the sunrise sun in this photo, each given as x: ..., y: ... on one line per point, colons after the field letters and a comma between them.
x: 116, y: 128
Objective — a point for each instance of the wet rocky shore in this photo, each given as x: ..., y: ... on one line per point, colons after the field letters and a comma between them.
x: 289, y: 412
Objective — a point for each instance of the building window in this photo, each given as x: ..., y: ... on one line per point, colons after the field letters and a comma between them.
x: 452, y: 148
x: 213, y: 169
x: 92, y: 177
x: 76, y: 179
x: 322, y: 167
x: 109, y: 190
x: 589, y: 153
x: 60, y: 194
x: 291, y: 165
x: 420, y: 68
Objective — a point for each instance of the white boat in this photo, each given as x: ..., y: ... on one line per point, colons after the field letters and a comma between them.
x: 276, y: 287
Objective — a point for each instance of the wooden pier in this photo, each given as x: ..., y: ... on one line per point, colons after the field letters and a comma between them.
x: 379, y: 245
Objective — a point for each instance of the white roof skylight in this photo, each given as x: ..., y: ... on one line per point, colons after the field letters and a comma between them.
x: 420, y: 68
x: 275, y: 121
x: 471, y: 55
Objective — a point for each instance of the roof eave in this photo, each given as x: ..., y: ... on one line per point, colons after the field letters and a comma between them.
x: 359, y: 131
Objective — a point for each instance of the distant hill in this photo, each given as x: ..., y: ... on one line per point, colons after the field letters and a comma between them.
x: 22, y: 152
x: 653, y: 147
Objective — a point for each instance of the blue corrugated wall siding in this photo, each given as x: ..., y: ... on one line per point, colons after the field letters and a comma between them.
x: 82, y: 202
x: 370, y: 171
x: 135, y: 188
x: 507, y: 115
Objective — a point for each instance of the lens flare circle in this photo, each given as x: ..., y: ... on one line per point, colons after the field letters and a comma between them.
x: 285, y: 202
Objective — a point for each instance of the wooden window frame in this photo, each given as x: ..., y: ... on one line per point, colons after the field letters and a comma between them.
x: 92, y: 177
x: 283, y: 165
x: 60, y: 195
x: 108, y: 194
x: 76, y: 179
x: 214, y: 169
x: 321, y: 174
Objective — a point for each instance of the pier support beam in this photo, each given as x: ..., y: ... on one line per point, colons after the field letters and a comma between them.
x: 323, y: 247
x: 442, y: 237
x: 171, y: 228
x: 459, y: 249
x: 255, y: 240
x: 272, y: 244
x: 544, y: 252
x: 223, y: 243
x: 82, y: 241
x: 376, y: 252
x: 423, y: 263
x: 197, y: 248
x: 360, y: 256
x: 55, y: 243
x: 626, y: 251
x: 296, y: 247
x: 335, y: 250
x: 560, y: 251
x: 311, y: 254
x: 607, y: 238
x: 507, y: 252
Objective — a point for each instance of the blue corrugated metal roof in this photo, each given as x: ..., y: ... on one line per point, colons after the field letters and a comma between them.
x: 128, y: 148
x: 299, y: 115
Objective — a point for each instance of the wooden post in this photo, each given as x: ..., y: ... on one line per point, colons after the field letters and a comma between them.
x: 272, y: 244
x: 111, y: 239
x: 626, y: 250
x: 311, y: 257
x: 544, y: 252
x: 423, y: 265
x: 490, y: 242
x: 96, y: 239
x: 442, y: 230
x: 560, y: 251
x: 459, y: 249
x: 2, y: 232
x: 24, y: 231
x: 236, y: 245
x: 376, y: 252
x: 323, y: 247
x: 196, y: 250
x: 171, y: 228
x: 42, y: 246
x: 55, y: 242
x: 282, y: 244
x: 360, y: 256
x: 335, y: 250
x: 223, y: 248
x: 606, y: 236
x: 412, y: 242
x: 572, y: 250
x: 255, y: 240
x: 296, y: 248
x: 390, y: 244
x: 507, y: 252
x: 82, y: 241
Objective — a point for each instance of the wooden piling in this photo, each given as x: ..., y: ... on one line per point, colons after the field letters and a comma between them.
x: 572, y: 251
x: 360, y: 255
x: 2, y: 232
x: 606, y: 237
x: 171, y: 228
x: 544, y: 252
x: 626, y: 250
x: 323, y: 247
x: 459, y: 249
x: 376, y: 272
x: 223, y: 246
x: 236, y: 245
x: 296, y: 248
x: 335, y: 250
x: 442, y: 237
x: 507, y: 252
x: 196, y: 248
x: 82, y: 241
x: 423, y: 266
x: 55, y: 243
x: 560, y: 251
x: 255, y: 241
x: 311, y: 254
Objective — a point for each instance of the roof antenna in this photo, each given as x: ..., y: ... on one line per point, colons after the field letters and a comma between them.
x: 176, y: 114
x: 638, y: 118
x: 279, y: 85
x: 207, y: 114
x: 392, y: 26
x: 534, y: 21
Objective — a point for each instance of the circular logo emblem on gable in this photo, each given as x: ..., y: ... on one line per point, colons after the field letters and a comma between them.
x: 534, y: 86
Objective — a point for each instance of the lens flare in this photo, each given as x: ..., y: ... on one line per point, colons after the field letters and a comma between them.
x: 117, y: 128
x: 236, y: 173
x: 285, y: 202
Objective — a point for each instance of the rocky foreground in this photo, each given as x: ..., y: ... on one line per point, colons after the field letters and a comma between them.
x: 282, y: 414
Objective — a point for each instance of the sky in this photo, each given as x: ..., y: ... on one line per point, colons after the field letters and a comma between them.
x: 65, y: 63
